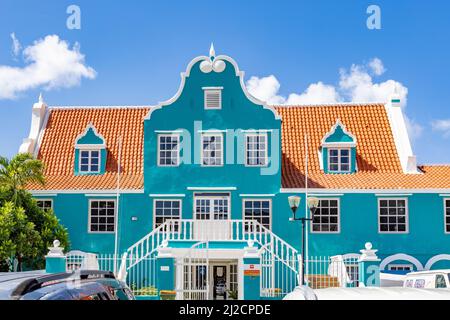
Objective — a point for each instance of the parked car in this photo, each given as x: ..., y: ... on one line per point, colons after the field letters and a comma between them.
x: 433, y: 279
x: 81, y: 285
x: 368, y: 293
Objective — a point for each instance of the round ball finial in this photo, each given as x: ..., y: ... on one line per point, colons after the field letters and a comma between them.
x: 368, y: 246
x: 56, y: 243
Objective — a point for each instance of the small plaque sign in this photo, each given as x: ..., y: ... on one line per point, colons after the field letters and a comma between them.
x: 252, y: 270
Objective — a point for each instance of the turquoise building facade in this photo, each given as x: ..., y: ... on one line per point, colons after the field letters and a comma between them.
x: 206, y: 176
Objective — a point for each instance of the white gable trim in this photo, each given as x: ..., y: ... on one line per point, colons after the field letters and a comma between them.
x: 186, y: 74
x: 90, y: 146
x: 338, y: 144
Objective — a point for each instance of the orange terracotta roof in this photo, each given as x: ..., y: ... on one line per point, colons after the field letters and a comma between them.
x: 377, y: 159
x: 58, y: 143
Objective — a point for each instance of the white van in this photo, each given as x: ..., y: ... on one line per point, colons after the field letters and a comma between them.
x: 432, y: 279
x: 367, y: 293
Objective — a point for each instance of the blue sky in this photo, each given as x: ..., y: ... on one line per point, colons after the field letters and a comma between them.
x: 138, y: 48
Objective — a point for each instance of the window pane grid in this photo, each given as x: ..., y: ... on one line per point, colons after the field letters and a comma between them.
x: 258, y: 210
x: 212, y: 150
x: 169, y: 150
x: 89, y: 161
x: 326, y: 217
x: 256, y: 150
x: 102, y: 216
x: 339, y: 160
x: 45, y: 205
x: 167, y: 210
x: 392, y: 215
x: 447, y: 215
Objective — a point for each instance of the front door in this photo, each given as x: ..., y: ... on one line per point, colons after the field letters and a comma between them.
x: 220, y: 285
x: 212, y: 215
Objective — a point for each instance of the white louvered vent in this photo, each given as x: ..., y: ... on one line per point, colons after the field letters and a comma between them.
x: 213, y: 98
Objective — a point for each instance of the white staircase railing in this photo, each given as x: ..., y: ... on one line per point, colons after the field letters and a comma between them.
x: 279, y: 259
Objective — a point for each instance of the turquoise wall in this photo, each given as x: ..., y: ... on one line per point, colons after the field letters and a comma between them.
x: 237, y: 113
x: 358, y: 211
x: 73, y: 212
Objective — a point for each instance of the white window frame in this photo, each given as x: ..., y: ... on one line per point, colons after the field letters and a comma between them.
x: 266, y: 158
x: 406, y: 216
x: 445, y: 215
x: 400, y: 265
x: 338, y: 218
x: 51, y: 201
x: 80, y: 151
x: 89, y: 216
x: 339, y: 160
x: 258, y: 199
x: 212, y: 90
x: 166, y: 199
x: 171, y: 135
x: 222, y: 151
x: 211, y: 196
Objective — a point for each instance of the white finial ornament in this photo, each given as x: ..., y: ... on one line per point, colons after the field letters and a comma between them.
x: 212, y: 52
x: 41, y: 99
x: 211, y: 64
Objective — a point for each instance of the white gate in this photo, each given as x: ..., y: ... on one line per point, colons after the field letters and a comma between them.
x: 194, y: 271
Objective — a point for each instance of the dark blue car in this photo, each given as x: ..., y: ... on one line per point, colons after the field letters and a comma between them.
x: 84, y: 285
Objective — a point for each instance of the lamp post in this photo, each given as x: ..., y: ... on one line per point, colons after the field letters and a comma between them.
x: 294, y: 203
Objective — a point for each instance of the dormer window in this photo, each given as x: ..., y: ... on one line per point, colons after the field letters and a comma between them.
x: 213, y: 98
x: 89, y: 161
x: 90, y: 152
x: 339, y: 160
x: 338, y: 150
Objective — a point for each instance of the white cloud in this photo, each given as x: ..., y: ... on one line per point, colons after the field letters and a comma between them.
x: 443, y: 126
x: 16, y: 46
x: 377, y: 66
x: 356, y: 85
x: 50, y: 64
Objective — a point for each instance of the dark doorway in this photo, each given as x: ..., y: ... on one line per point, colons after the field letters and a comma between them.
x: 220, y: 282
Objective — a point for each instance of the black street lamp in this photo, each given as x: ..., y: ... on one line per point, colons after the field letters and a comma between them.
x: 294, y: 203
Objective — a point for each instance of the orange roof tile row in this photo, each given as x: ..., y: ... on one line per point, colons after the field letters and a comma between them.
x: 377, y: 159
x: 58, y: 145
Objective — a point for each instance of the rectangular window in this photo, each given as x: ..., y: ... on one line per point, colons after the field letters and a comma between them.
x: 89, y: 161
x: 45, y: 205
x: 393, y: 215
x: 212, y: 149
x: 102, y: 214
x: 212, y: 206
x: 169, y: 150
x: 256, y: 150
x: 326, y: 217
x: 213, y: 99
x: 339, y: 160
x: 259, y: 210
x: 447, y: 215
x: 400, y: 267
x: 166, y: 210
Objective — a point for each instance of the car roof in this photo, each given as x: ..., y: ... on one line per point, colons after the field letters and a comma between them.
x: 377, y: 293
x: 76, y: 288
x: 15, y: 285
x: 10, y: 280
x: 429, y: 272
